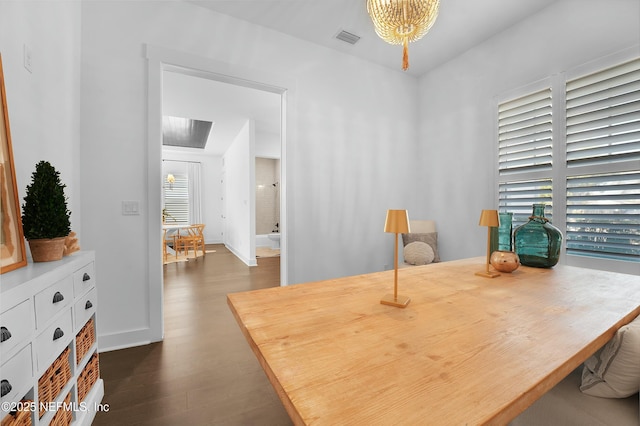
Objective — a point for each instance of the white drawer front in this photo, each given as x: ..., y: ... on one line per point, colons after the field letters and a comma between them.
x: 83, y: 279
x: 18, y: 373
x: 84, y: 308
x: 46, y: 308
x: 17, y: 325
x: 48, y: 348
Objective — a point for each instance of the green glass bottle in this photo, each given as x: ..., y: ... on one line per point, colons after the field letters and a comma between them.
x: 501, y: 235
x: 538, y: 242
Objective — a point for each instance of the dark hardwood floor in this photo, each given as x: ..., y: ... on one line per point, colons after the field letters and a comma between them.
x: 204, y: 372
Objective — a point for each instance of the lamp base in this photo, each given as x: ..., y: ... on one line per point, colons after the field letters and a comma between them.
x: 488, y: 274
x: 399, y: 302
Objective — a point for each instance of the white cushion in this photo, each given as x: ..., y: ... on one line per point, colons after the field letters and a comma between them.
x: 614, y: 371
x: 418, y: 253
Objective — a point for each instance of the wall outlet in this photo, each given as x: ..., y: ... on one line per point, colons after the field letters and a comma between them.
x: 27, y: 58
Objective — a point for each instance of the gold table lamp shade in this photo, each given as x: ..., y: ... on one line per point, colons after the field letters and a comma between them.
x: 397, y: 221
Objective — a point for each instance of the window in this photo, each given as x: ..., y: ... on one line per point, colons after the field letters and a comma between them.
x: 525, y: 154
x: 581, y: 149
x: 176, y: 200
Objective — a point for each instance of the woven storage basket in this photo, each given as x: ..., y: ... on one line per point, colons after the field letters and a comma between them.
x: 63, y: 417
x: 54, y: 379
x: 18, y: 418
x: 84, y: 340
x: 88, y: 377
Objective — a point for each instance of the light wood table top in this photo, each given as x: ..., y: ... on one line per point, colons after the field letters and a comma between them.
x: 467, y: 350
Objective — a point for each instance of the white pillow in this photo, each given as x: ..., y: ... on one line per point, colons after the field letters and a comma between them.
x: 418, y: 253
x: 614, y: 371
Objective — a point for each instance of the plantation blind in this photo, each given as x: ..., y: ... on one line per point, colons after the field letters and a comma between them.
x: 176, y: 200
x: 603, y: 132
x: 524, y: 133
x: 525, y: 154
x: 603, y: 116
x: 603, y: 215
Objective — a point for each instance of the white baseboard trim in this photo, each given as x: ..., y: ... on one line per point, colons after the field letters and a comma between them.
x: 126, y: 339
x: 248, y: 262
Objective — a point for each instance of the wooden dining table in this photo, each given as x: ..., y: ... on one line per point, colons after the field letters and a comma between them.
x: 467, y: 350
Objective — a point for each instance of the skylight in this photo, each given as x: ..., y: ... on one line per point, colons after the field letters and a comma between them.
x: 185, y: 132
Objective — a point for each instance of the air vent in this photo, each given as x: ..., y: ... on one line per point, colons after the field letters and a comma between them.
x: 348, y: 37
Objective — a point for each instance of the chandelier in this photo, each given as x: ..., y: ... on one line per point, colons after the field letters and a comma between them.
x: 402, y: 21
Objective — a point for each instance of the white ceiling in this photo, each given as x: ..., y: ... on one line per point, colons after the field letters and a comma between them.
x: 461, y: 24
x: 226, y: 105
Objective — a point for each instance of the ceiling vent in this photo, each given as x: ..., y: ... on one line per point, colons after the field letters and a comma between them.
x: 347, y: 37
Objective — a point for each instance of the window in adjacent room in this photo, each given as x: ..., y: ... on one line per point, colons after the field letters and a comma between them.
x: 176, y: 200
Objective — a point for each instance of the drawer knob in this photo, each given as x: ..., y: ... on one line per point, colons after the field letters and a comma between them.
x: 86, y: 277
x: 88, y: 305
x: 5, y: 334
x: 5, y: 387
x: 58, y: 297
x: 58, y: 333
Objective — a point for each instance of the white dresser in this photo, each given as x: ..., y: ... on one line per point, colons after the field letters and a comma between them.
x: 48, y: 347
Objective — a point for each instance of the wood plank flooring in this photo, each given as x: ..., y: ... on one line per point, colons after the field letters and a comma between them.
x: 204, y: 372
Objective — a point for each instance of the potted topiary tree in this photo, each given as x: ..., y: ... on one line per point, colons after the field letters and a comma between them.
x: 45, y: 217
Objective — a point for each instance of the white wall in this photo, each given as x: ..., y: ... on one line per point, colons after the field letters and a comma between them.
x: 267, y: 145
x: 458, y: 101
x: 239, y: 194
x: 351, y: 153
x: 44, y: 104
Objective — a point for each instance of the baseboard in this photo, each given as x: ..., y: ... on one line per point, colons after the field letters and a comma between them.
x: 123, y: 340
x: 248, y: 262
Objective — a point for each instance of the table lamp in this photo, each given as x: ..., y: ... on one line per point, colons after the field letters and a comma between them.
x: 397, y: 222
x: 489, y: 218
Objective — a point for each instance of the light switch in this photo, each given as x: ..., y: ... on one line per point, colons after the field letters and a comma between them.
x: 130, y: 208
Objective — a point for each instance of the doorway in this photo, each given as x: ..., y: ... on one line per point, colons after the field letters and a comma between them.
x: 162, y: 60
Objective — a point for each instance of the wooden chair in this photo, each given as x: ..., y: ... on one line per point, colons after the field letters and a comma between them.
x: 168, y: 238
x: 199, y: 231
x: 191, y: 238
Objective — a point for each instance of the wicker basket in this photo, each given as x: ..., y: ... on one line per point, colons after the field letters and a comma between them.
x: 19, y: 418
x: 88, y: 377
x: 64, y: 415
x: 54, y: 379
x: 84, y: 340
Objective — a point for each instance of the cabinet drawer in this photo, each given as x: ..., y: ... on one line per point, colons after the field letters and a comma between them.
x: 84, y: 308
x: 17, y: 373
x: 52, y: 300
x: 17, y: 325
x: 83, y: 279
x: 47, y: 346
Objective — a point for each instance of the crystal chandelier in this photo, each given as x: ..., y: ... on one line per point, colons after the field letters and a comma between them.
x: 402, y: 21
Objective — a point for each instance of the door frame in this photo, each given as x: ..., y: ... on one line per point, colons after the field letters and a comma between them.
x: 160, y: 59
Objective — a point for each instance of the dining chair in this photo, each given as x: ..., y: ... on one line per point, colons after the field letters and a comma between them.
x: 191, y: 238
x: 167, y: 238
x: 199, y: 233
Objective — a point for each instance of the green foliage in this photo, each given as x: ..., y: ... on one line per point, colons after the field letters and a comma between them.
x: 45, y: 213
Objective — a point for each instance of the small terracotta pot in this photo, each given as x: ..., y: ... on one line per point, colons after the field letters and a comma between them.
x: 505, y: 261
x: 47, y: 249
